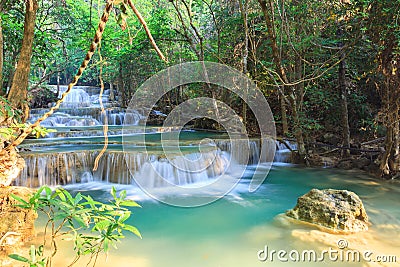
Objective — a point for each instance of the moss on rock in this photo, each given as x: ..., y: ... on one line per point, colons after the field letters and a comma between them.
x: 337, y: 210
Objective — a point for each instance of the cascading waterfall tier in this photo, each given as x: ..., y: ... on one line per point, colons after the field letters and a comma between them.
x: 258, y: 151
x: 76, y: 167
x: 284, y: 150
x: 68, y: 156
x: 81, y: 108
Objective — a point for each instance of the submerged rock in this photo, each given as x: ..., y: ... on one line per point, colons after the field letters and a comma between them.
x: 337, y: 210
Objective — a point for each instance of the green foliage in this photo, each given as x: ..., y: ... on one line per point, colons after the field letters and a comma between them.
x: 11, y: 132
x: 11, y: 124
x: 306, y: 34
x: 35, y: 259
x: 8, y: 112
x: 92, y: 226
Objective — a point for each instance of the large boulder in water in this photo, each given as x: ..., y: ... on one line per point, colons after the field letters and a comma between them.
x: 337, y: 210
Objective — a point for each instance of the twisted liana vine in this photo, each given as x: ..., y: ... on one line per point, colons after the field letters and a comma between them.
x: 103, y: 112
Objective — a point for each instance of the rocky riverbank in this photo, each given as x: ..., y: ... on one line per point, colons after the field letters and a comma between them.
x: 16, y: 224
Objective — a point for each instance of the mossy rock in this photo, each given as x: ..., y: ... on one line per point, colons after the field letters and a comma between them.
x: 337, y: 210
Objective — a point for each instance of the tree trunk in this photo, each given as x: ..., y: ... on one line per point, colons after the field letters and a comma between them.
x: 297, y: 109
x: 390, y: 161
x: 343, y: 98
x: 269, y: 20
x: 244, y: 11
x: 298, y: 132
x: 285, y: 126
x: 395, y: 153
x: 58, y: 84
x: 11, y: 74
x: 277, y: 60
x: 384, y: 164
x: 1, y: 56
x: 111, y: 96
x: 344, y: 110
x: 19, y: 89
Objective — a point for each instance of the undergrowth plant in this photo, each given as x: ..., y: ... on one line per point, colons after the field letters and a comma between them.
x: 92, y: 226
x: 11, y: 124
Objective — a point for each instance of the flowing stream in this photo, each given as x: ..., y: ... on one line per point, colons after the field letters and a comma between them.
x: 229, y: 232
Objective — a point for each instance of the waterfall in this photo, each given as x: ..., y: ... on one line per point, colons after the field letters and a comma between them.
x: 258, y: 152
x: 76, y: 98
x: 76, y: 167
x: 68, y: 156
x: 283, y: 154
x: 81, y: 109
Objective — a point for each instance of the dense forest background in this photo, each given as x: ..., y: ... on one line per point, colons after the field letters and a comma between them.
x: 329, y: 69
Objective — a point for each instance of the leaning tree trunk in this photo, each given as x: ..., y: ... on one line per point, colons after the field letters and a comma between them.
x: 18, y: 94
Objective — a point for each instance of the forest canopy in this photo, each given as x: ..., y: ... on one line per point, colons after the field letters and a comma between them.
x: 329, y: 69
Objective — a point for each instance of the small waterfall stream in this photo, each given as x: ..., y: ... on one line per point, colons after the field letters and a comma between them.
x: 283, y: 154
x: 67, y: 156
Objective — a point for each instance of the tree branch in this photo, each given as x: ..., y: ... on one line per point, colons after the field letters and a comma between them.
x: 144, y: 24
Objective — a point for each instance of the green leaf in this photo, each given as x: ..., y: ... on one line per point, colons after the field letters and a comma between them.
x: 80, y: 221
x: 40, y: 250
x: 124, y: 216
x: 69, y: 197
x: 59, y: 193
x: 133, y: 230
x: 48, y: 191
x: 130, y: 203
x: 90, y: 201
x: 19, y: 199
x: 18, y: 257
x: 114, y: 192
x: 38, y: 192
x: 101, y: 225
x: 77, y: 199
x: 122, y: 195
x: 106, y: 245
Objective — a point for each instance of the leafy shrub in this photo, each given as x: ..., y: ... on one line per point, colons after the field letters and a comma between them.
x: 93, y: 226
